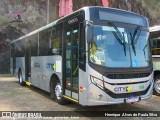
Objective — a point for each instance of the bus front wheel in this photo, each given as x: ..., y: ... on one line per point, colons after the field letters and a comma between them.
x: 156, y: 89
x: 56, y: 93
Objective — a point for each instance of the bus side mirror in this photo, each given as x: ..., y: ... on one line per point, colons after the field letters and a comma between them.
x: 89, y: 25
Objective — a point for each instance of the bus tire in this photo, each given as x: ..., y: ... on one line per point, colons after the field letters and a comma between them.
x: 52, y: 91
x: 57, y: 94
x: 156, y: 89
x: 20, y: 78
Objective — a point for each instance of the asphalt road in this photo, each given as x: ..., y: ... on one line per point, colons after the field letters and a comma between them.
x: 14, y: 97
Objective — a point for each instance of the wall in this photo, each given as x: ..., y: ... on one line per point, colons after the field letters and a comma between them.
x: 34, y: 15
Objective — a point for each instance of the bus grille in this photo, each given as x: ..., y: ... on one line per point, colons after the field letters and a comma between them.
x: 127, y: 76
x: 127, y: 95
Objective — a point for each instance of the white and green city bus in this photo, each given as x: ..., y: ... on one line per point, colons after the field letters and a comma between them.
x: 94, y: 56
x: 155, y: 43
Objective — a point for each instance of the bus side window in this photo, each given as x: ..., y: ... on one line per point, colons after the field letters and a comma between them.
x: 151, y: 41
x: 56, y: 43
x: 158, y: 46
x: 43, y: 43
x: 34, y: 44
x: 155, y: 46
x: 19, y: 46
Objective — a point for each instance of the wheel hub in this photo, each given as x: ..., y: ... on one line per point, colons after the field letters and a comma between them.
x: 20, y: 78
x: 58, y: 91
x: 157, y: 86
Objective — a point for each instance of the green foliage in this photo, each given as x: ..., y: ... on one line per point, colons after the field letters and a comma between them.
x: 3, y: 20
x: 6, y: 75
x: 152, y: 6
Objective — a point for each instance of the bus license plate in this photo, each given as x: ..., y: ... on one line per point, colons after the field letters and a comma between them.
x: 132, y: 99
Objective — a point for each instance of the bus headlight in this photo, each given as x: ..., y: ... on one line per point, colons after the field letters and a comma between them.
x: 97, y: 82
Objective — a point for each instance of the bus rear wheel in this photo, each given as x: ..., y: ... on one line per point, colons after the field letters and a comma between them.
x: 156, y: 89
x: 21, y: 82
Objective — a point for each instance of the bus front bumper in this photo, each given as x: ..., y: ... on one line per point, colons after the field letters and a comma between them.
x: 103, y: 99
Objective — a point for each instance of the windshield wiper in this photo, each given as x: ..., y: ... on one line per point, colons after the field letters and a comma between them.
x: 137, y: 34
x: 119, y: 36
x: 119, y: 40
x: 135, y: 37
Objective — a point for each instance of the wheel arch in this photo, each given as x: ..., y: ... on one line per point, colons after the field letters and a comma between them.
x: 156, y: 73
x: 54, y: 78
x: 156, y: 78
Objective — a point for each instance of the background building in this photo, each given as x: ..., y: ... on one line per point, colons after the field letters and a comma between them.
x: 37, y: 13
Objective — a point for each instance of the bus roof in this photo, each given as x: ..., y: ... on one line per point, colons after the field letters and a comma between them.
x: 84, y: 8
x: 154, y: 29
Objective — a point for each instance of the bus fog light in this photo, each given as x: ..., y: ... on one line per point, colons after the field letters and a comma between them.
x: 97, y: 82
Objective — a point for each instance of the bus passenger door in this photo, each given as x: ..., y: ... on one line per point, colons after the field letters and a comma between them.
x: 71, y: 62
x: 27, y: 61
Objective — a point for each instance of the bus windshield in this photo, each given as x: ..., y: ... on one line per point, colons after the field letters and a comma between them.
x: 119, y: 47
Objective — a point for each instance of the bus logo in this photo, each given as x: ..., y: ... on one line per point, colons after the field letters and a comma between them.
x: 73, y: 21
x: 122, y: 89
x: 51, y: 66
x: 37, y: 65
